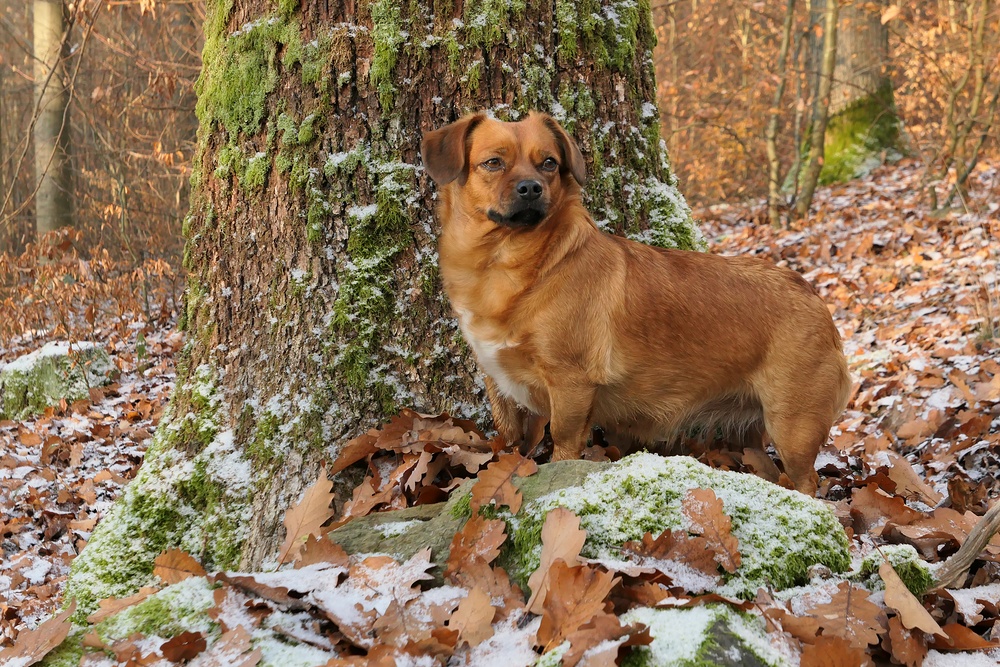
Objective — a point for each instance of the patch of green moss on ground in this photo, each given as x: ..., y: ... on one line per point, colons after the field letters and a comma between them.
x: 858, y: 136
x: 178, y: 608
x: 57, y: 371
x: 905, y: 560
x: 69, y: 653
x: 781, y: 533
x: 704, y: 636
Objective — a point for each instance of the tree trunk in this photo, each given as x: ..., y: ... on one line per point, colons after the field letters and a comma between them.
x: 771, y: 133
x: 863, y: 123
x: 313, y: 307
x: 821, y: 106
x: 53, y: 172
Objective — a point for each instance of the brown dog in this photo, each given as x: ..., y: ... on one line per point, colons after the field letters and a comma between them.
x: 585, y: 328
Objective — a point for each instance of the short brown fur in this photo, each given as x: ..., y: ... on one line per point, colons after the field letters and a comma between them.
x: 585, y: 328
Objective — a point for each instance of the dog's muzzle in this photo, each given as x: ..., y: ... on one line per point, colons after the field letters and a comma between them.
x: 522, y: 214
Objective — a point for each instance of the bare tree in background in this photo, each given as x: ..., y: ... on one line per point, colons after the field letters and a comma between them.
x: 774, y: 164
x: 53, y: 172
x: 821, y: 106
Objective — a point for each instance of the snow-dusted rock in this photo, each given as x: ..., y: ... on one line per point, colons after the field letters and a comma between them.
x: 57, y: 371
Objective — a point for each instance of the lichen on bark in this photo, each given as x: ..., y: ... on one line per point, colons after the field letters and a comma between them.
x: 313, y: 301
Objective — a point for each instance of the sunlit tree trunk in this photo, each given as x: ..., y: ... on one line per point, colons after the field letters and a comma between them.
x: 313, y: 307
x: 53, y: 172
x: 863, y: 121
x: 821, y: 106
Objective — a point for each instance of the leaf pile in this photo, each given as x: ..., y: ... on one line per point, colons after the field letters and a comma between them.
x: 61, y: 470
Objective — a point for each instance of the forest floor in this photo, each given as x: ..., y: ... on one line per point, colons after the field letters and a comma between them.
x: 915, y: 296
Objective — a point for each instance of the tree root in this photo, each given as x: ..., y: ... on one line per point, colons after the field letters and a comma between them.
x: 952, y: 572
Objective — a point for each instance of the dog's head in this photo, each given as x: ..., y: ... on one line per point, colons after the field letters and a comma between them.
x: 513, y: 174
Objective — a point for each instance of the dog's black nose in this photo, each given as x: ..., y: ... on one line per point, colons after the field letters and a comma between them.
x: 529, y: 190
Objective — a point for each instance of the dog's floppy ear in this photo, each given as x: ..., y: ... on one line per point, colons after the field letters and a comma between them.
x: 443, y: 150
x: 572, y: 157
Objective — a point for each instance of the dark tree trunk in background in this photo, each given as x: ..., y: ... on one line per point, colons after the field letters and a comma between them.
x: 53, y: 171
x: 820, y: 110
x: 314, y: 309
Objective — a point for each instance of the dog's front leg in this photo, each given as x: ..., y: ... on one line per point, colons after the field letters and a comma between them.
x: 571, y: 410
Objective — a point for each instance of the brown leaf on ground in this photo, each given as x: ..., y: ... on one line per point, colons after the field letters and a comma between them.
x: 248, y: 583
x: 908, y: 482
x: 479, y: 538
x: 576, y: 594
x: 706, y: 515
x: 898, y: 597
x: 676, y: 546
x: 33, y: 645
x: 850, y: 615
x: 907, y: 647
x: 495, y: 484
x: 562, y: 540
x: 111, y: 606
x: 231, y: 650
x: 355, y: 450
x: 307, y: 517
x: 833, y: 652
x: 473, y: 618
x: 318, y: 549
x: 494, y: 581
x: 871, y: 509
x: 761, y: 464
x: 961, y: 638
x: 184, y: 646
x: 174, y: 566
x: 596, y: 643
x: 803, y: 628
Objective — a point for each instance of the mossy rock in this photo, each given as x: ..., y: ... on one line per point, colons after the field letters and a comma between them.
x: 58, y: 371
x: 781, y: 533
x: 711, y: 635
x: 861, y: 137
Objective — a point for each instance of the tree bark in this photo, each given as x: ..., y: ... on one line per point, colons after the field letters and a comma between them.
x: 863, y: 121
x: 771, y: 134
x: 53, y: 171
x: 313, y: 307
x: 821, y: 106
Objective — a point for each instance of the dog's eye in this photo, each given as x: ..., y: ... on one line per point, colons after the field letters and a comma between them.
x: 493, y: 164
x: 550, y: 164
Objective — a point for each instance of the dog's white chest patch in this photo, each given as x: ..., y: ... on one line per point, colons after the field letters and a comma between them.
x: 487, y: 352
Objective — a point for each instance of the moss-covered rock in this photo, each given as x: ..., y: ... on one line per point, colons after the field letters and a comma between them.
x: 781, y: 533
x: 711, y: 635
x: 59, y: 370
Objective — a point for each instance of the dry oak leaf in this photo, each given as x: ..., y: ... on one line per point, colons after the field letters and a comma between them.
x: 307, y: 517
x: 833, y: 652
x: 321, y: 550
x: 562, y: 540
x: 495, y: 484
x: 907, y: 647
x: 576, y: 594
x: 477, y: 573
x: 479, y: 538
x: 355, y: 450
x: 473, y: 619
x: 850, y: 615
x: 961, y: 638
x: 596, y: 643
x: 706, y: 515
x: 871, y: 508
x: 677, y: 546
x: 33, y: 645
x: 803, y: 628
x: 231, y: 650
x: 174, y: 566
x: 184, y: 646
x: 111, y: 606
x: 898, y: 597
